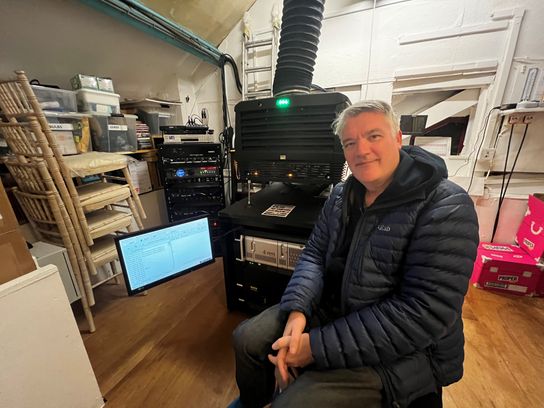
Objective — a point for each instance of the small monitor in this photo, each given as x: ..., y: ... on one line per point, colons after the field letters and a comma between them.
x: 157, y: 255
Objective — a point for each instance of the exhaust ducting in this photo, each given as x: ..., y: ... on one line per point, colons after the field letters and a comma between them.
x: 300, y: 30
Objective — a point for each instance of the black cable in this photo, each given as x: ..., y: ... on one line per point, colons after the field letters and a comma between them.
x: 516, y: 160
x: 506, y: 163
x: 315, y: 86
x: 480, y: 146
x: 160, y: 25
x: 216, y: 238
x: 497, y: 215
x: 503, y: 192
x: 228, y: 58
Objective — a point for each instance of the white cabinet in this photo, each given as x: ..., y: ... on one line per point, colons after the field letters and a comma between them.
x: 44, y: 361
x: 47, y: 254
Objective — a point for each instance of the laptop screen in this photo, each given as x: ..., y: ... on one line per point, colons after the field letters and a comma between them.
x: 154, y: 256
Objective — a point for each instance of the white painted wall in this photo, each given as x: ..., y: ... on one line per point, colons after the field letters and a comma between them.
x: 381, y: 52
x: 66, y: 37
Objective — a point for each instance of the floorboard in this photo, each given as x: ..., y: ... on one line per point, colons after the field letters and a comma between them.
x: 172, y: 348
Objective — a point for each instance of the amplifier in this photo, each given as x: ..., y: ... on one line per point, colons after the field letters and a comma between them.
x: 193, y: 181
x: 189, y: 174
x: 280, y: 254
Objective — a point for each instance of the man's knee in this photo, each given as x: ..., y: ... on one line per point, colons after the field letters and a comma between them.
x: 240, y: 336
x: 251, y: 335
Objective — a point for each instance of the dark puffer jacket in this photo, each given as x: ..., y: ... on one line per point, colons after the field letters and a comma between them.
x: 406, y: 275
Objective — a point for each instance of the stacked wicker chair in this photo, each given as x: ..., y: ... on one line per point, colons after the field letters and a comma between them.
x: 86, y: 217
x: 45, y: 210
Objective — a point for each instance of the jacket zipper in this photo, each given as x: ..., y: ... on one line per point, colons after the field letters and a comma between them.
x: 347, y: 271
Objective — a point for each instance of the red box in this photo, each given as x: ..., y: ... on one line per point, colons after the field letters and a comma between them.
x: 540, y: 287
x: 506, y: 269
x: 530, y: 235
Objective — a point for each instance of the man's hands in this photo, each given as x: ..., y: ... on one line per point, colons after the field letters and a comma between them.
x: 293, y: 348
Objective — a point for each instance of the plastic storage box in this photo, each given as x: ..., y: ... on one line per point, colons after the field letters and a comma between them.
x: 89, y: 100
x: 71, y: 131
x: 81, y: 81
x: 52, y: 99
x: 154, y: 120
x: 114, y: 133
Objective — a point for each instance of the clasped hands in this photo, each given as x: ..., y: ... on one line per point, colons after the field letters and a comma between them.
x: 293, y: 349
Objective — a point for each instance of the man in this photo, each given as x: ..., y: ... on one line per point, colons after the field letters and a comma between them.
x: 372, y: 313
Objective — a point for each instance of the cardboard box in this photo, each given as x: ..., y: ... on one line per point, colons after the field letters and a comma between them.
x: 540, y: 286
x: 139, y: 174
x: 530, y: 235
x: 506, y: 269
x: 8, y: 221
x: 15, y: 256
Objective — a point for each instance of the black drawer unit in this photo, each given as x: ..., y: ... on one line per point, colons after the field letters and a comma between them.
x: 192, y: 175
x: 260, y: 251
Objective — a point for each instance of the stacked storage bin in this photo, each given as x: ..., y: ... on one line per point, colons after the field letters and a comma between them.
x: 111, y: 131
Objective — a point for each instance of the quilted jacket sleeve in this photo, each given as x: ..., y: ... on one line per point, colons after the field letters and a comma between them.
x: 306, y: 284
x: 438, y: 266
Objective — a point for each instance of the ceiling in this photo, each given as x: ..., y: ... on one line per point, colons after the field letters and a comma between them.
x: 211, y: 20
x: 68, y: 37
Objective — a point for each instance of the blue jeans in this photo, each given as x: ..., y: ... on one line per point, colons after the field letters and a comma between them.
x: 339, y: 388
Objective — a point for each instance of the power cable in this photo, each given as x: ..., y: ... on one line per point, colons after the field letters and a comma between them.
x: 479, y: 148
x: 504, y: 187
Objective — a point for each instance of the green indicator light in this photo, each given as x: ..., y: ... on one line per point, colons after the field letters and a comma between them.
x: 283, y: 102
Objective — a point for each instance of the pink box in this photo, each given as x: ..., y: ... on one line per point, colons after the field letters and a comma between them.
x: 507, y: 269
x: 530, y: 235
x: 540, y: 287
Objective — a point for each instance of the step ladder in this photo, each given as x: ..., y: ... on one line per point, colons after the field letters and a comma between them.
x: 253, y: 75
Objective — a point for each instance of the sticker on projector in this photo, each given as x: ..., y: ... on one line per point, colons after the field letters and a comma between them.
x: 279, y: 210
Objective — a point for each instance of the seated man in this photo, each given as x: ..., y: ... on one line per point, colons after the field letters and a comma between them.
x: 372, y: 314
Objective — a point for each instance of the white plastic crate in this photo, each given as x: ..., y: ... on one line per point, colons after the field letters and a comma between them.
x: 89, y: 100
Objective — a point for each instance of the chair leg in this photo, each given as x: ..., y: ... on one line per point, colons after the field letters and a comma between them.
x: 115, y: 272
x: 135, y: 213
x: 135, y: 195
x: 76, y: 259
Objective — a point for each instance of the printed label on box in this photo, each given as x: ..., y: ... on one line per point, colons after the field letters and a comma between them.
x: 517, y: 288
x: 61, y: 126
x: 497, y: 248
x: 529, y: 244
x: 496, y: 285
x: 119, y: 128
x: 505, y: 286
x: 508, y: 278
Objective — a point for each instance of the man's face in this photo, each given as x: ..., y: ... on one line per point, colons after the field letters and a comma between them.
x: 371, y: 148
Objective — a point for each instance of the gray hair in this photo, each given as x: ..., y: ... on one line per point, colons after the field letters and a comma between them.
x: 361, y: 107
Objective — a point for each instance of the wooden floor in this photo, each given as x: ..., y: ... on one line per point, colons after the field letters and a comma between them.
x: 172, y: 348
